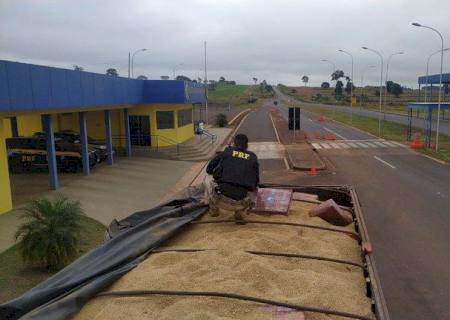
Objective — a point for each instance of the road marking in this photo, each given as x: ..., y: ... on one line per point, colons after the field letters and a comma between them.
x: 353, y: 145
x: 326, y: 146
x: 316, y: 146
x: 274, y: 128
x: 380, y: 144
x: 334, y: 145
x: 343, y: 145
x: 335, y: 133
x: 362, y: 145
x: 386, y: 163
x: 286, y: 163
x: 390, y: 144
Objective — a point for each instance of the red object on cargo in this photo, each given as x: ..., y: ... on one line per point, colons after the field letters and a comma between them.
x: 332, y: 213
x: 269, y: 200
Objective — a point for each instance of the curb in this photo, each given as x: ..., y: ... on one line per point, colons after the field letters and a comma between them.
x: 293, y: 165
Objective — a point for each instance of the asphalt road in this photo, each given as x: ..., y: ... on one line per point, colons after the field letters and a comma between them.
x: 444, y: 126
x: 405, y: 199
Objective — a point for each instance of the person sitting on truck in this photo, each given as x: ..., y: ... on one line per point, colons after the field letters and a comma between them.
x: 236, y: 176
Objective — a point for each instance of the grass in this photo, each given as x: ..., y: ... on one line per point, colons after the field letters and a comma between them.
x: 391, y: 130
x: 16, y: 278
x: 236, y: 95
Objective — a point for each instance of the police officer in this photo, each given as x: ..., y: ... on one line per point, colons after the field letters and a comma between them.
x: 235, y: 172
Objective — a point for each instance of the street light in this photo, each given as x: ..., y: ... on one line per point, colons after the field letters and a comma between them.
x: 387, y: 73
x: 330, y: 62
x: 381, y: 87
x: 132, y: 61
x: 440, y: 79
x: 174, y: 68
x: 428, y: 64
x: 362, y: 83
x: 351, y: 85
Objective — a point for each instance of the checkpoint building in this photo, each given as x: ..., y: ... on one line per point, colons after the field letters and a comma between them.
x: 122, y: 112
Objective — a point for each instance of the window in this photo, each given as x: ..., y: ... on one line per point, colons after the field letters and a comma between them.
x: 164, y: 119
x: 184, y: 117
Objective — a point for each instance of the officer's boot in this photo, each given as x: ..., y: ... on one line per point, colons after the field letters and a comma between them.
x: 239, y: 216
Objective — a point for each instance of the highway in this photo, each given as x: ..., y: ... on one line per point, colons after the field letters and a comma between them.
x: 405, y: 198
x: 444, y: 126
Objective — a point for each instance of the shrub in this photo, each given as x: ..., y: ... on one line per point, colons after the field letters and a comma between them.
x: 221, y: 120
x: 50, y: 236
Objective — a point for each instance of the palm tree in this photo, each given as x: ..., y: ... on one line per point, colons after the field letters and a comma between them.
x: 51, y: 234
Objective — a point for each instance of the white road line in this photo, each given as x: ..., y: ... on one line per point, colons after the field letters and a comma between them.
x: 386, y: 163
x: 390, y: 144
x: 316, y: 146
x: 371, y: 145
x: 274, y: 128
x: 335, y: 133
x: 326, y: 146
x: 334, y: 145
x: 380, y: 144
x: 353, y: 145
x: 343, y: 145
x: 362, y: 145
x: 286, y: 163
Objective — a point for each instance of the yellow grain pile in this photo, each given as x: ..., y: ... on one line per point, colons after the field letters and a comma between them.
x: 226, y: 267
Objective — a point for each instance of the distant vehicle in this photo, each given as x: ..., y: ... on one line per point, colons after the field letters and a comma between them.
x: 28, y: 153
x: 275, y: 102
x: 74, y: 137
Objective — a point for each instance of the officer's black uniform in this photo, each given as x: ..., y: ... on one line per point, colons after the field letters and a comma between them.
x: 236, y: 172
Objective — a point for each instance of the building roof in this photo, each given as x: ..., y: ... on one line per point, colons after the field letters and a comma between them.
x: 428, y: 105
x: 28, y: 87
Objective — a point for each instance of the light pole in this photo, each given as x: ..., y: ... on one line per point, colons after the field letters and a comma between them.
x: 428, y: 64
x: 440, y: 79
x: 387, y: 73
x: 206, y: 88
x: 362, y: 83
x: 351, y: 85
x: 175, y: 68
x: 381, y: 87
x: 132, y: 61
x: 330, y: 62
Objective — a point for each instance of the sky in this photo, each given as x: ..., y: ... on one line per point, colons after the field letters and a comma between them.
x: 278, y: 40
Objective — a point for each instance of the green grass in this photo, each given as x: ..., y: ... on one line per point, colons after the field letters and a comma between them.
x: 16, y: 278
x: 391, y: 130
x: 236, y: 95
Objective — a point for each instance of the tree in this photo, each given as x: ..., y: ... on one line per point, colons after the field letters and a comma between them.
x: 112, y: 72
x: 255, y: 80
x: 183, y: 78
x: 142, y: 77
x: 336, y: 75
x: 77, y: 68
x: 221, y: 120
x: 394, y: 88
x: 165, y: 77
x: 221, y: 79
x: 305, y: 80
x: 325, y: 85
x: 51, y: 234
x: 338, y: 89
x: 349, y: 86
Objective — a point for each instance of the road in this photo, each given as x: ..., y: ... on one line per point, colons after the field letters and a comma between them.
x: 405, y: 199
x: 444, y: 126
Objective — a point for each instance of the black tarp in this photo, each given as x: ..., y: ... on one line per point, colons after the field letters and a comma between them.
x: 128, y: 243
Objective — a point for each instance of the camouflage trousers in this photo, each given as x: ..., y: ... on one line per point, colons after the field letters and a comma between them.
x: 219, y: 201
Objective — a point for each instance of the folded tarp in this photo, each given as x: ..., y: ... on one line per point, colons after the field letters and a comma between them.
x: 129, y: 242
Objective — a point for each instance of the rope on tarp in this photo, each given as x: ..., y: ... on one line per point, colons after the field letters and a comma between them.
x: 266, y: 253
x: 349, y: 233
x: 139, y: 293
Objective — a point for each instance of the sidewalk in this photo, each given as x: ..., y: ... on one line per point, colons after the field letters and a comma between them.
x: 110, y: 192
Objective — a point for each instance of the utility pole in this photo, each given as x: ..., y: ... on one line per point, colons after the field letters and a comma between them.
x: 206, y: 88
x: 129, y: 63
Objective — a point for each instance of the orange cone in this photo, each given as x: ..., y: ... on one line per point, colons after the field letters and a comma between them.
x: 417, y: 142
x: 312, y: 172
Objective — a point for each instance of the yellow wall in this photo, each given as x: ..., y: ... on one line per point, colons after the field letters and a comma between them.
x: 27, y: 124
x: 175, y: 135
x: 7, y: 133
x: 5, y: 189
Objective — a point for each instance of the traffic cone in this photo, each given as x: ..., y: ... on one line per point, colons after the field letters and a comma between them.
x: 417, y: 142
x: 312, y: 172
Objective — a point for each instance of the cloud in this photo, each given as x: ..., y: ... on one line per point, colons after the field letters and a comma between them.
x: 274, y: 40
